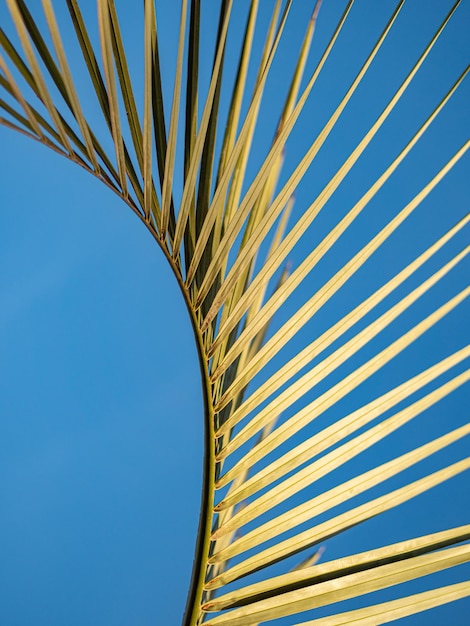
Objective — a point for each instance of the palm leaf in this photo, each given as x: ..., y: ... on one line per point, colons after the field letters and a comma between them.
x: 273, y: 452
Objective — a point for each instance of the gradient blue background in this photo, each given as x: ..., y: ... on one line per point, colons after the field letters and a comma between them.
x: 100, y: 402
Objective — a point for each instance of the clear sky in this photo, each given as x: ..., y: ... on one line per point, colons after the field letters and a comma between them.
x: 100, y: 402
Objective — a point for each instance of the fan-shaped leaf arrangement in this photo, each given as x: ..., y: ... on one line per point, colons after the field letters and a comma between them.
x: 319, y: 403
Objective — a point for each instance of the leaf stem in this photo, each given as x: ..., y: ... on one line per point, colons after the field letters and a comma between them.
x: 192, y: 614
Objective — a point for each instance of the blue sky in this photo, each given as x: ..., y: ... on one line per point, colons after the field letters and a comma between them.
x: 100, y: 402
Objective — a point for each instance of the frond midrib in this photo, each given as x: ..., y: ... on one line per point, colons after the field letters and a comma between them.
x: 203, y: 537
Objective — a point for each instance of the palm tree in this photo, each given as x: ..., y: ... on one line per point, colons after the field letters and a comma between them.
x: 306, y: 376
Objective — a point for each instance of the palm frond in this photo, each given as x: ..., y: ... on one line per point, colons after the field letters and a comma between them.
x: 286, y: 427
